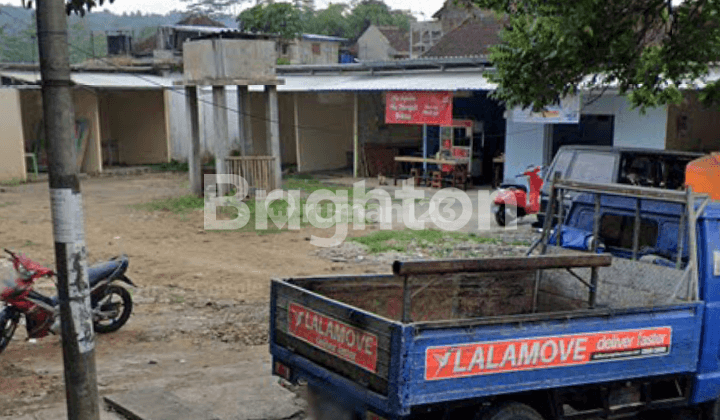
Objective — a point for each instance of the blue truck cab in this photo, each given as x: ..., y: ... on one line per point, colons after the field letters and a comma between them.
x: 563, y: 335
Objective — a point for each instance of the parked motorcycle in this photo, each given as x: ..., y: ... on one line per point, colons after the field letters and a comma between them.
x: 111, y: 303
x: 513, y: 200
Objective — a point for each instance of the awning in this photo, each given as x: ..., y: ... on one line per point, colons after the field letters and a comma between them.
x: 430, y: 81
x: 99, y: 80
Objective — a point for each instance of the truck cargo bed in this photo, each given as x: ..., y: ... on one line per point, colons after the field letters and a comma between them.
x: 624, y: 284
x: 476, y: 334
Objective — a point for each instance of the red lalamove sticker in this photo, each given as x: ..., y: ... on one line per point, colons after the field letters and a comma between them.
x: 342, y: 340
x: 448, y: 362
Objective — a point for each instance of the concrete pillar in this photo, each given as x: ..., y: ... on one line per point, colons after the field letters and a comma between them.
x: 273, y: 131
x: 245, y: 121
x: 220, y: 121
x: 298, y: 149
x: 193, y: 118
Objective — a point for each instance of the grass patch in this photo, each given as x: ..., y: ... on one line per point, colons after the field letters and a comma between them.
x: 278, y: 212
x: 7, y: 203
x: 309, y: 184
x: 399, y: 240
x: 172, y: 166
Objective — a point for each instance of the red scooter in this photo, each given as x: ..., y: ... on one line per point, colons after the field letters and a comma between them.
x: 513, y: 201
x: 111, y: 304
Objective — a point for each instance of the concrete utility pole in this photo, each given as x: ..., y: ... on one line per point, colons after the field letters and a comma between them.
x: 78, y: 339
x: 194, y: 161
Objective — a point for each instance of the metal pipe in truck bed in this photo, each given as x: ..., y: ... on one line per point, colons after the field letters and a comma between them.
x: 489, y: 265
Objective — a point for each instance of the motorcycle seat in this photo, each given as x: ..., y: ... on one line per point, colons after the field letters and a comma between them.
x: 52, y: 301
x: 102, y: 270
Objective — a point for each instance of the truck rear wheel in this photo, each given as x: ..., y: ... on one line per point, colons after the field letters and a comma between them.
x: 511, y: 411
x: 712, y: 410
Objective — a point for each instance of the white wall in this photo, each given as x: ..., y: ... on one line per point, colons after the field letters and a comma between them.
x: 632, y: 129
x: 523, y: 147
x: 524, y: 141
x: 326, y: 130
x: 207, y: 123
x: 12, y: 155
x: 373, y: 46
x: 180, y: 125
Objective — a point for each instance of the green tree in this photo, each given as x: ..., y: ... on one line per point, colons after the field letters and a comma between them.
x: 211, y: 8
x: 647, y: 49
x: 374, y: 12
x: 20, y: 46
x: 283, y: 19
x: 329, y: 21
x: 84, y: 45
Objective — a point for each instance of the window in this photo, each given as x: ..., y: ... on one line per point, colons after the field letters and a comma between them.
x: 617, y: 232
x: 561, y: 164
x: 593, y: 167
x: 316, y: 48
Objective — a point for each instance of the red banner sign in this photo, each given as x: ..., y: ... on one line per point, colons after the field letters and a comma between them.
x: 434, y: 108
x: 342, y: 340
x: 448, y: 362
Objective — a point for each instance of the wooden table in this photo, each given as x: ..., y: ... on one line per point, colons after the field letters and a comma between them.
x: 411, y: 159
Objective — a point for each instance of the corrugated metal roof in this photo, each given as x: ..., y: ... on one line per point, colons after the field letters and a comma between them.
x: 450, y: 81
x: 201, y: 29
x: 432, y: 81
x: 327, y: 38
x: 100, y: 80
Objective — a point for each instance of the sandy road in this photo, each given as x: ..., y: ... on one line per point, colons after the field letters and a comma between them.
x: 202, y: 301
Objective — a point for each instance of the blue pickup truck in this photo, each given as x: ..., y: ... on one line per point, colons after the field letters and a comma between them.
x: 561, y: 335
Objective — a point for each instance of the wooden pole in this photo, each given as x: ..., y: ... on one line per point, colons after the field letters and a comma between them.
x: 356, y: 138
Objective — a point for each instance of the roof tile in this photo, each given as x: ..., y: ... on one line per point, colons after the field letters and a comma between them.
x: 399, y: 39
x: 473, y: 37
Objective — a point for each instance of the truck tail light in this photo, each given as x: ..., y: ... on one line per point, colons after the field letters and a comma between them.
x: 282, y: 371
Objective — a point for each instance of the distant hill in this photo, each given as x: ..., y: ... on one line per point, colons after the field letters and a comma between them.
x: 99, y: 21
x: 17, y: 29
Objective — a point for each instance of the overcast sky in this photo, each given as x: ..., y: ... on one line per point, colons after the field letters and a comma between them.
x: 423, y: 9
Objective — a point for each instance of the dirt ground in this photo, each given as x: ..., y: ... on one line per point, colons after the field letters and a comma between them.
x: 202, y: 298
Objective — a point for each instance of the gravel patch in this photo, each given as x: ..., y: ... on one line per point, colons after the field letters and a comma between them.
x: 503, y: 244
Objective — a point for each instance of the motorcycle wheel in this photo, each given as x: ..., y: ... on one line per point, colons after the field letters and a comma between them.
x: 112, y: 310
x: 500, y: 215
x: 8, y: 325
